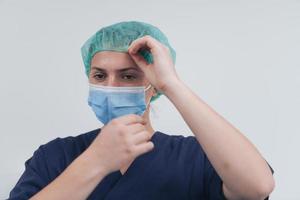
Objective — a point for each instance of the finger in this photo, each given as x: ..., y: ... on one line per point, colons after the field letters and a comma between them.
x: 146, y: 42
x: 136, y: 128
x: 144, y: 148
x: 139, y: 60
x: 131, y: 119
x: 141, y: 137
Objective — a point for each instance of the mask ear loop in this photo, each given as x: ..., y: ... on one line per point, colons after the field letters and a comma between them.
x: 147, y: 88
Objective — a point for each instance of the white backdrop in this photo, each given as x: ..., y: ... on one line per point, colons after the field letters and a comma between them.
x: 241, y: 57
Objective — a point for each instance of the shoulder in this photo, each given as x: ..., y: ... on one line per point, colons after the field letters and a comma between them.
x: 176, y: 141
x: 71, y: 143
x: 48, y: 161
x: 183, y: 146
x: 58, y: 153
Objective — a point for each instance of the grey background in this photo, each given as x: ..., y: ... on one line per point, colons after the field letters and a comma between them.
x: 241, y: 57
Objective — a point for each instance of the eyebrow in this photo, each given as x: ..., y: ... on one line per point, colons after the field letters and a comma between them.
x: 120, y: 70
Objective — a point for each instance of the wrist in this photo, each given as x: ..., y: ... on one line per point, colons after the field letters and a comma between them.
x: 176, y: 85
x: 91, y: 166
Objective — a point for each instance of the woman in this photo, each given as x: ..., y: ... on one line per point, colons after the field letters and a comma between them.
x: 130, y: 64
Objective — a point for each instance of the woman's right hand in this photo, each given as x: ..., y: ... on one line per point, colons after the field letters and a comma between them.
x: 120, y: 142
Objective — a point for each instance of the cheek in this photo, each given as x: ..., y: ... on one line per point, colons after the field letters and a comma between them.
x: 92, y: 80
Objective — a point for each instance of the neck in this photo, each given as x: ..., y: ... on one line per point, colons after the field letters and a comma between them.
x: 148, y: 125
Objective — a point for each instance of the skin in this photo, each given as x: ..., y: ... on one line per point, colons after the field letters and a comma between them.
x: 125, y: 138
x: 119, y: 70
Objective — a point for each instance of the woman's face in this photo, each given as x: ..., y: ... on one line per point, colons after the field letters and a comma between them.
x: 110, y: 68
x: 117, y: 69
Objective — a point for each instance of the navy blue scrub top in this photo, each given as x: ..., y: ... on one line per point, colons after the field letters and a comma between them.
x: 177, y: 168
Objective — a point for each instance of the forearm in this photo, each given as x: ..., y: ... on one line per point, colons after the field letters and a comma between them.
x: 77, y: 181
x: 238, y: 163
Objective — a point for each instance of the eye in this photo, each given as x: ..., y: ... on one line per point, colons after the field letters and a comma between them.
x: 129, y: 77
x: 99, y: 76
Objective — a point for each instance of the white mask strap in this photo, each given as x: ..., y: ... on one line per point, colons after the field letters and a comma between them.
x: 148, y: 87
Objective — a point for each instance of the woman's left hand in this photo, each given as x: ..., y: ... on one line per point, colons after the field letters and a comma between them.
x: 161, y: 73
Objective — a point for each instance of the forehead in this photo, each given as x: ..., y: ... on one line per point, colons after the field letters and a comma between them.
x: 112, y: 60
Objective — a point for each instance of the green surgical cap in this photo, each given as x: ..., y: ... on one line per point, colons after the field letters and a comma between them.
x: 118, y: 37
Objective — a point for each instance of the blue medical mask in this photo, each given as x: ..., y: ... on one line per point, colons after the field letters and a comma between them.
x: 111, y: 102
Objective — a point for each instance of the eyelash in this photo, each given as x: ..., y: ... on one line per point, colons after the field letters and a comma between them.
x: 96, y: 76
x: 129, y: 75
